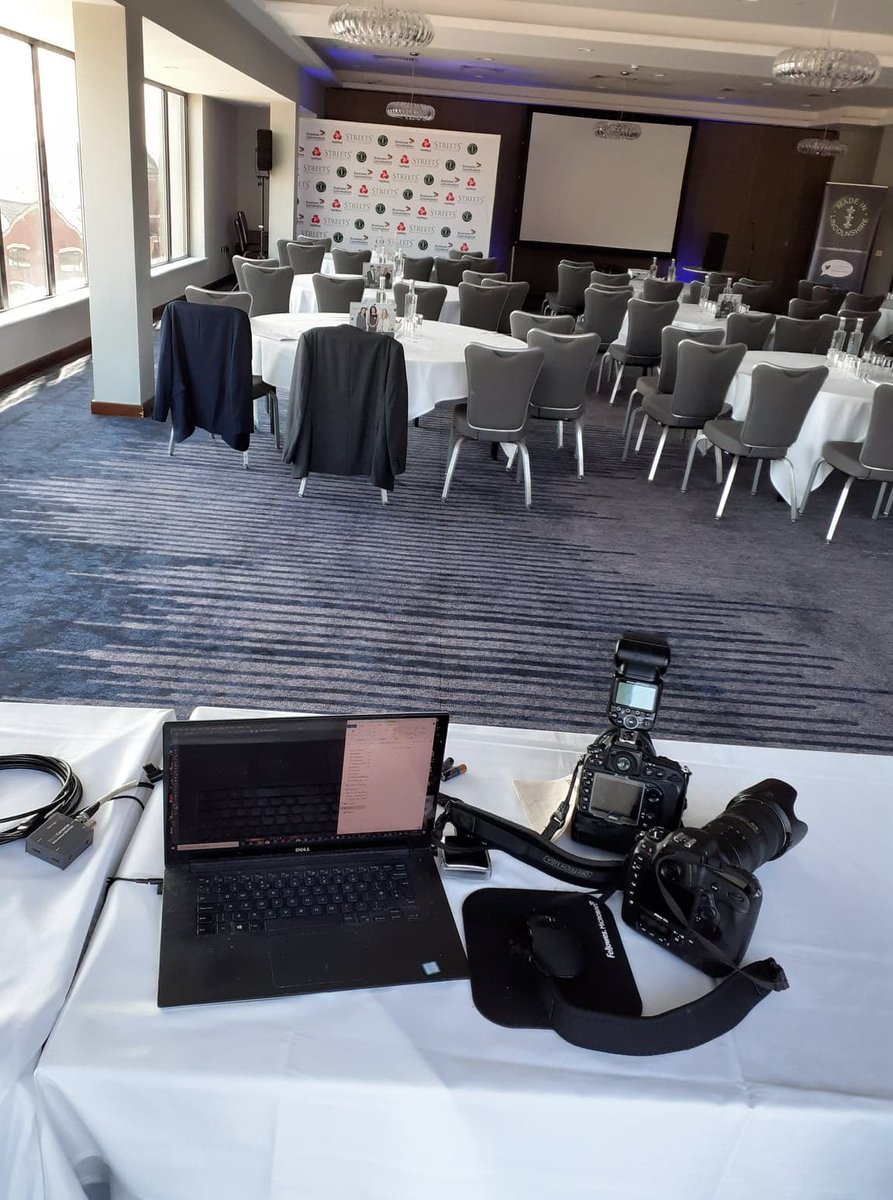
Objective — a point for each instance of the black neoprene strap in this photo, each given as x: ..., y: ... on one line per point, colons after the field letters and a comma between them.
x: 677, y: 1029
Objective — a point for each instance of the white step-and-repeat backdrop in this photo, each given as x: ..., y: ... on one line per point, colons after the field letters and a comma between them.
x: 426, y: 191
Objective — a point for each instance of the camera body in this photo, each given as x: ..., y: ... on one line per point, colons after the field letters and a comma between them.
x: 625, y: 787
x: 693, y: 890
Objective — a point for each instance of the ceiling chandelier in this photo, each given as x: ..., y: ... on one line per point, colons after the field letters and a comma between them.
x: 380, y: 25
x: 411, y: 109
x: 619, y: 130
x: 825, y: 67
x: 822, y: 147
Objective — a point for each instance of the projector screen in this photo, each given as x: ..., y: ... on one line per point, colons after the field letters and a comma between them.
x: 590, y: 191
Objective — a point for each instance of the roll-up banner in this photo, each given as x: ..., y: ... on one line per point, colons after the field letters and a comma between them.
x: 845, y: 235
x: 427, y: 191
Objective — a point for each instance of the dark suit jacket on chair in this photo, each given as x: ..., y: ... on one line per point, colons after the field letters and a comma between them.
x: 349, y: 406
x: 204, y: 372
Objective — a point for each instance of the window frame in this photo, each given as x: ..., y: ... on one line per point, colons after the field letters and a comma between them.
x: 43, y: 186
x: 166, y: 147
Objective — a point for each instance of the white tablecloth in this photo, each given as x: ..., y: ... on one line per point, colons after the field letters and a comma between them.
x: 689, y: 316
x: 435, y: 358
x: 46, y: 913
x: 401, y: 1092
x: 303, y: 297
x: 839, y: 412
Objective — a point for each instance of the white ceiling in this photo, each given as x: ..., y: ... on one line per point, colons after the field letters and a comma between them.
x: 693, y: 57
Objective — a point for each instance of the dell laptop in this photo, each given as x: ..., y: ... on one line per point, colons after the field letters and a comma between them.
x: 299, y: 857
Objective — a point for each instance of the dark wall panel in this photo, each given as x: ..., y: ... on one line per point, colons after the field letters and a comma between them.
x: 745, y: 181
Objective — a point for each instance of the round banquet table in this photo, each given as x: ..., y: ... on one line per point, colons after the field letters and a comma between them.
x: 303, y: 297
x: 839, y: 413
x: 435, y: 358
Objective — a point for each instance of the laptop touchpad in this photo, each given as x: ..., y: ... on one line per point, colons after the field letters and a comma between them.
x: 317, y: 960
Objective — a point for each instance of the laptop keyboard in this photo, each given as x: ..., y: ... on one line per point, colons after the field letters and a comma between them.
x: 252, y: 902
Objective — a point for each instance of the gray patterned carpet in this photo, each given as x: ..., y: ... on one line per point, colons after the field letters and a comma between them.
x: 131, y: 577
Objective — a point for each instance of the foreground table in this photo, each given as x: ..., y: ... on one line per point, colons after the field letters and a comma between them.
x: 402, y: 1092
x: 303, y: 298
x: 46, y: 913
x: 839, y: 412
x: 435, y: 358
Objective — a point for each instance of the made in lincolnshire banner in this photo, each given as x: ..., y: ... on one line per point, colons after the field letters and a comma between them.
x: 845, y: 235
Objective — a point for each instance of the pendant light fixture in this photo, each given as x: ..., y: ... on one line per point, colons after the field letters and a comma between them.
x: 826, y: 67
x: 619, y: 130
x: 411, y: 109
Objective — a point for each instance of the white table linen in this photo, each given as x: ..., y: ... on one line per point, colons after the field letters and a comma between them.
x: 839, y: 413
x: 435, y: 358
x: 392, y: 1093
x: 689, y: 316
x: 46, y: 913
x: 303, y: 297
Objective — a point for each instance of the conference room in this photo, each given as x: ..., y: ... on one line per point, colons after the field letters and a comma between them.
x: 464, y: 382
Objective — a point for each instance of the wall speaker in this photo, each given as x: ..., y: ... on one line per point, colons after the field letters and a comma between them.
x: 263, y: 152
x: 715, y: 251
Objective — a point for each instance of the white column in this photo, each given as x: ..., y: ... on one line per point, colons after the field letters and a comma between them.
x: 109, y: 65
x: 283, y: 185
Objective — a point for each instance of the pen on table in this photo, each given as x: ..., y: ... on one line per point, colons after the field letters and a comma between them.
x: 453, y: 772
x: 447, y: 763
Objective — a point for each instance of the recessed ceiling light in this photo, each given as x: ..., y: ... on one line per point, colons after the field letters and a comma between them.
x: 767, y: 83
x: 585, y: 49
x: 481, y: 58
x: 660, y: 74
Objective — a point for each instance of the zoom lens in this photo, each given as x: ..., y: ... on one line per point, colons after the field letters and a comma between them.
x: 757, y: 825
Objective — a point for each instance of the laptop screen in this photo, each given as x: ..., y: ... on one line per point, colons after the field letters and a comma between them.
x: 283, y: 784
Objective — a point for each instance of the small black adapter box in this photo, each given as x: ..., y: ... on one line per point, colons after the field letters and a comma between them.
x: 60, y: 840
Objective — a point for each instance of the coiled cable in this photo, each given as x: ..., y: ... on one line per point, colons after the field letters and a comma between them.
x: 66, y: 800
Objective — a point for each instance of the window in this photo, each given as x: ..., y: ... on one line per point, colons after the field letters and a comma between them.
x: 166, y: 167
x: 41, y: 219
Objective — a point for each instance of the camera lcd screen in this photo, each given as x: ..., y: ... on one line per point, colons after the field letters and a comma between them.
x: 636, y: 695
x: 618, y: 797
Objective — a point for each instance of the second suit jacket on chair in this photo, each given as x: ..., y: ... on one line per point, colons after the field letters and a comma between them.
x: 349, y: 406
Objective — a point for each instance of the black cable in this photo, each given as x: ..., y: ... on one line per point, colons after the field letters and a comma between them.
x: 65, y: 801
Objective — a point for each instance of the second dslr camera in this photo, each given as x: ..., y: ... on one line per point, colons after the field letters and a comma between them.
x: 625, y: 787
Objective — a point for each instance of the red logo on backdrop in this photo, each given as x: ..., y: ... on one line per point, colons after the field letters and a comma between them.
x: 336, y: 204
x: 364, y: 191
x: 336, y: 136
x: 423, y: 212
x: 314, y: 220
x: 450, y: 198
x: 404, y: 159
x: 384, y: 175
x: 401, y: 228
x: 426, y: 144
x: 471, y: 182
x: 317, y: 153
x: 464, y: 247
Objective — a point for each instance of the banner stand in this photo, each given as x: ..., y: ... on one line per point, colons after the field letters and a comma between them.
x: 845, y: 235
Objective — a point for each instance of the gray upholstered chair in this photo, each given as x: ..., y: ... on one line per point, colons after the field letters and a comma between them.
x: 662, y: 289
x: 753, y: 329
x: 704, y: 374
x: 806, y: 310
x: 780, y: 398
x: 857, y: 302
x: 478, y: 277
x: 259, y: 389
x: 833, y: 297
x: 871, y: 459
x: 573, y: 280
x: 798, y: 337
x: 465, y: 254
x: 830, y: 323
x: 603, y: 313
x: 350, y: 262
x: 716, y: 279
x: 418, y: 269
x: 449, y: 271
x: 282, y: 245
x: 268, y: 287
x: 305, y: 260
x: 805, y: 289
x: 239, y: 262
x: 755, y: 295
x: 692, y: 295
x: 515, y: 295
x: 521, y: 323
x: 500, y: 383
x: 481, y: 307
x: 620, y: 279
x: 429, y: 299
x: 560, y: 391
x: 336, y: 295
x: 647, y: 319
x: 664, y: 381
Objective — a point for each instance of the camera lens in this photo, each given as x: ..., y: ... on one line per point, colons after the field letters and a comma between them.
x: 757, y: 825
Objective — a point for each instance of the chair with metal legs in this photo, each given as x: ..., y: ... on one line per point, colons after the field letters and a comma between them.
x: 780, y: 398
x: 268, y: 287
x: 305, y: 260
x: 560, y: 391
x: 662, y: 289
x: 515, y: 294
x: 500, y: 383
x: 871, y: 459
x: 647, y: 320
x: 603, y: 313
x: 753, y: 329
x: 665, y: 380
x: 620, y: 279
x: 521, y: 323
x: 799, y: 336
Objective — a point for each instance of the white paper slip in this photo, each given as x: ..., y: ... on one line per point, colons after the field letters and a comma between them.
x: 540, y: 797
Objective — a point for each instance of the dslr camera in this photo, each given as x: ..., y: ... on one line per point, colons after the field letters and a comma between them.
x: 625, y: 788
x: 693, y: 890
